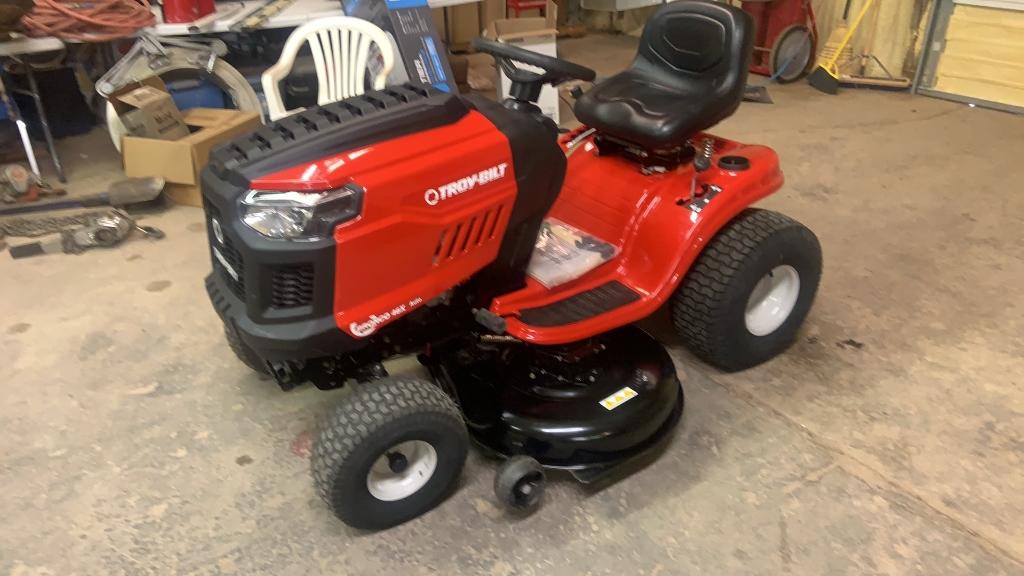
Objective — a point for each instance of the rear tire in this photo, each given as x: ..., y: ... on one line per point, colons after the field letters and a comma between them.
x: 389, y: 453
x: 247, y: 355
x: 746, y: 296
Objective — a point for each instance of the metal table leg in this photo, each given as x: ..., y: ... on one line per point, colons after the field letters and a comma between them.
x: 34, y: 92
x: 15, y: 114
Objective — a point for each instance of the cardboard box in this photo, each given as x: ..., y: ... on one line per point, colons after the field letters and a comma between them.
x: 147, y: 110
x: 460, y: 72
x: 180, y: 161
x: 464, y: 25
x: 491, y: 10
x: 537, y: 34
x: 420, y: 53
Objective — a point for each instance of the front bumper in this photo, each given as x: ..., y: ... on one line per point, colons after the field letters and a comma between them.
x: 277, y: 295
x: 298, y: 340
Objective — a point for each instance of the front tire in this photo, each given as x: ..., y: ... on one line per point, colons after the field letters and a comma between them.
x: 243, y: 352
x: 389, y: 453
x: 746, y: 296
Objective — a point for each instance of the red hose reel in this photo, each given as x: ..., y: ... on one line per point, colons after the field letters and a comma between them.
x: 786, y: 38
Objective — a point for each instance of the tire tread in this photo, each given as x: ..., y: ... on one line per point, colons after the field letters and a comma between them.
x: 244, y: 353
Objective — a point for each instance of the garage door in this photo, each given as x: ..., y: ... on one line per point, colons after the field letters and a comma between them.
x: 983, y: 52
x: 1005, y: 4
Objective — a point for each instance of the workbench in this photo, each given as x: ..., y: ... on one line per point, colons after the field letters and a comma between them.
x: 227, y: 14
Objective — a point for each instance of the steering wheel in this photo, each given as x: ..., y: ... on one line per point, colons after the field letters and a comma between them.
x: 555, y: 70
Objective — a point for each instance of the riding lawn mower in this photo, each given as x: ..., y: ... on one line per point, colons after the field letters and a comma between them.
x: 511, y: 261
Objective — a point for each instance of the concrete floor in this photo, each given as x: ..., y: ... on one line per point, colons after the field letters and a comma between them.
x: 888, y: 440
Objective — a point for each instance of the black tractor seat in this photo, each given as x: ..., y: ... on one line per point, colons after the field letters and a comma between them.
x: 688, y: 75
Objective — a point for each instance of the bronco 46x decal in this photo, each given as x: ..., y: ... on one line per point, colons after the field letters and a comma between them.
x: 364, y: 329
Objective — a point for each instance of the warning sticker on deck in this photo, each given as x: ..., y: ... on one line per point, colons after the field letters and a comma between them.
x: 619, y: 398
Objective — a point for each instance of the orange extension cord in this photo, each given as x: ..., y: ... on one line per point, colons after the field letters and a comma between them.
x: 88, y: 21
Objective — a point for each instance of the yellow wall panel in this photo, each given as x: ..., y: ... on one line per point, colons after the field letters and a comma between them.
x: 995, y: 49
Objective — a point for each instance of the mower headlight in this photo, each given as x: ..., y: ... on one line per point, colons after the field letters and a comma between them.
x: 300, y: 215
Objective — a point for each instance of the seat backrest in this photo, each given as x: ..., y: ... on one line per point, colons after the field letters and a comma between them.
x: 341, y: 49
x: 699, y: 42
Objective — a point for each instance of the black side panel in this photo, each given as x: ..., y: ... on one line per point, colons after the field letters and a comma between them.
x: 333, y: 128
x: 581, y: 306
x: 540, y: 168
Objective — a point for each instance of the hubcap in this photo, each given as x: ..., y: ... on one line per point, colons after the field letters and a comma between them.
x: 772, y: 300
x: 526, y: 492
x: 397, y: 462
x: 401, y: 470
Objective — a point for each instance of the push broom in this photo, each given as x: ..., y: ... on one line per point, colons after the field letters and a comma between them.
x: 826, y: 76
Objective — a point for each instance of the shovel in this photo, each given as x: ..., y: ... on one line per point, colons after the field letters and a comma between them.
x: 121, y: 193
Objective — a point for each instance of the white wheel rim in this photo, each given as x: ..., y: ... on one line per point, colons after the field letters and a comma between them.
x: 389, y: 485
x: 772, y: 300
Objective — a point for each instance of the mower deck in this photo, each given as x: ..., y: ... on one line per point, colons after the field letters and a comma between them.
x: 585, y: 407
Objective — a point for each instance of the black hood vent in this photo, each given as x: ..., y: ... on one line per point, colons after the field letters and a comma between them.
x: 333, y: 128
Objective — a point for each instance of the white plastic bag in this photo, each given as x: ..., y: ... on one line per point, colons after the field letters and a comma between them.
x: 564, y: 253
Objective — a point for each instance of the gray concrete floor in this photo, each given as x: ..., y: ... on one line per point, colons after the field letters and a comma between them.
x: 888, y: 440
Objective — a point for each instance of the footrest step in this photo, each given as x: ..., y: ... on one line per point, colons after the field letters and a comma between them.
x: 593, y: 302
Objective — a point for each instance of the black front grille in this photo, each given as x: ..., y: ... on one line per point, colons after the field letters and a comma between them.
x: 234, y: 260
x: 292, y: 286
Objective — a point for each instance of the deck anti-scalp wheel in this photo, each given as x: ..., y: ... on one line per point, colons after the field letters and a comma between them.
x: 744, y: 299
x: 519, y: 483
x: 390, y: 452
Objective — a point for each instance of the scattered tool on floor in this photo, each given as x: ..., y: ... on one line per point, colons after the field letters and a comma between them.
x: 757, y: 94
x: 19, y: 185
x: 78, y: 233
x: 127, y: 192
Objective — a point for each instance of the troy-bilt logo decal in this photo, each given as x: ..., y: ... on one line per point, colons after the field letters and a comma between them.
x: 364, y: 329
x: 434, y: 196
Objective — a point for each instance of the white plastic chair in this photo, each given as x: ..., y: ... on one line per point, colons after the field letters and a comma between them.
x: 341, y: 49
